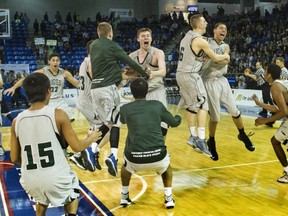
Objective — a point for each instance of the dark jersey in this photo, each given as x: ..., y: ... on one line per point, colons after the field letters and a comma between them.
x: 144, y: 142
x: 105, y: 57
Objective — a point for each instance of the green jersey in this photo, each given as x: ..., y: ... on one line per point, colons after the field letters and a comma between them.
x: 105, y: 56
x: 144, y: 142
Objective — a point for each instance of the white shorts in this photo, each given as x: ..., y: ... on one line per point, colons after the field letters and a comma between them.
x: 219, y: 92
x: 86, y: 108
x: 60, y: 103
x: 55, y: 191
x: 282, y: 133
x: 106, y: 102
x: 159, y: 167
x: 192, y: 91
x: 159, y: 94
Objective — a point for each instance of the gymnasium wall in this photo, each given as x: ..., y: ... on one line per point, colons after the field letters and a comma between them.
x: 86, y: 8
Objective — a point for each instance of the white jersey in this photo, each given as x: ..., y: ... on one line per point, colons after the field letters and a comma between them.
x: 84, y: 101
x: 85, y: 80
x: 56, y: 82
x: 155, y: 82
x: 45, y: 171
x: 284, y: 73
x: 189, y: 62
x: 212, y: 69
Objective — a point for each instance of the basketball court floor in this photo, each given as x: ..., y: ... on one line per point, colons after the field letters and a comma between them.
x: 239, y: 183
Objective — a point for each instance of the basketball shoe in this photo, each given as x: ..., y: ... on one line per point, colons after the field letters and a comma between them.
x: 111, y: 163
x: 192, y: 142
x: 125, y: 200
x: 284, y: 178
x: 245, y: 139
x: 88, y: 157
x: 96, y: 161
x: 212, y: 148
x: 201, y: 144
x: 78, y: 162
x: 169, y: 202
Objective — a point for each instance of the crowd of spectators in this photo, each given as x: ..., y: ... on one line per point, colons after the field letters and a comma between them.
x: 252, y: 36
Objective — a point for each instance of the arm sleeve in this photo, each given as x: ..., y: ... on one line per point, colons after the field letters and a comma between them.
x: 168, y: 118
x: 122, y: 116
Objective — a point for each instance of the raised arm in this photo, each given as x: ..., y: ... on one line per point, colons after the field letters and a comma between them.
x: 19, y: 83
x: 68, y: 76
x: 160, y: 58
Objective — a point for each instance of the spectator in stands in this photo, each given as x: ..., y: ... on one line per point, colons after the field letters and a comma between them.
x: 241, y: 82
x: 36, y: 27
x: 46, y: 19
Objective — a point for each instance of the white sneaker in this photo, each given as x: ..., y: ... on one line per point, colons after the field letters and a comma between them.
x: 169, y: 202
x: 284, y: 178
x: 125, y: 200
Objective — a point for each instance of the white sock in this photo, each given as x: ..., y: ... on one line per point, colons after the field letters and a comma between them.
x: 286, y: 169
x: 168, y: 191
x: 94, y: 147
x: 114, y: 151
x: 125, y: 189
x: 201, y: 132
x: 193, y: 131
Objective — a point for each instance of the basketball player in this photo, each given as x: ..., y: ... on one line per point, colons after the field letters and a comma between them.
x: 145, y: 147
x: 219, y: 91
x: 36, y: 145
x: 153, y: 58
x: 106, y: 74
x: 85, y: 106
x: 192, y: 90
x: 279, y: 93
x: 57, y: 78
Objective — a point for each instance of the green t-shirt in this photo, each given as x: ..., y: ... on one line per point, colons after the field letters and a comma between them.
x: 144, y: 142
x: 105, y: 56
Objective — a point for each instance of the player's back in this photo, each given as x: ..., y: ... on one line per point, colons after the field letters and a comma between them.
x: 85, y: 80
x: 43, y: 159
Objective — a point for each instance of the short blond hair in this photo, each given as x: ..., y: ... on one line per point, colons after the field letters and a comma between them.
x: 104, y: 29
x: 194, y: 20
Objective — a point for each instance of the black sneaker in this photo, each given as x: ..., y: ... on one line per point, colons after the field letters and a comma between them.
x: 248, y: 144
x: 78, y: 162
x: 96, y: 161
x: 212, y: 148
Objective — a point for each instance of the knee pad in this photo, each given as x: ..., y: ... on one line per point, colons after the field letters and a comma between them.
x: 193, y: 112
x: 236, y: 117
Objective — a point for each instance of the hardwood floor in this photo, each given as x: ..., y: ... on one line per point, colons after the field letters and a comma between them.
x: 240, y: 183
